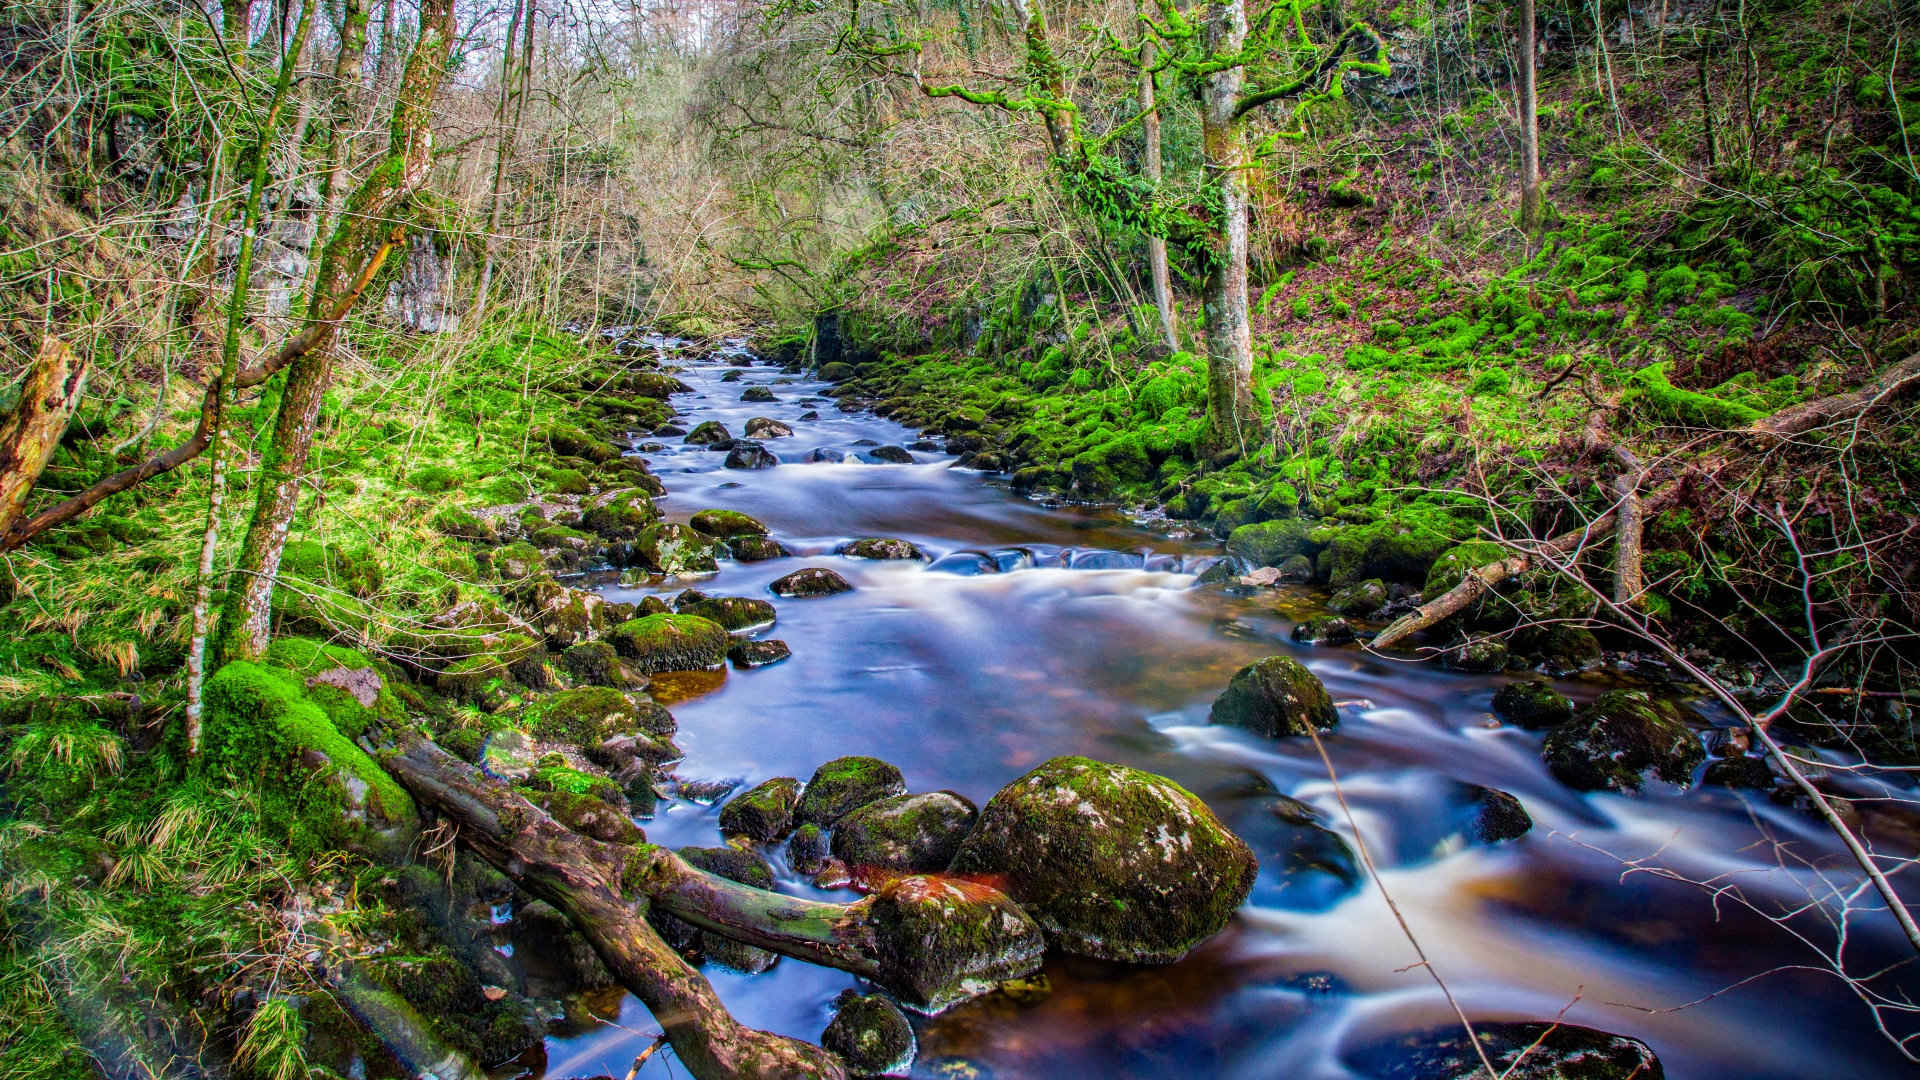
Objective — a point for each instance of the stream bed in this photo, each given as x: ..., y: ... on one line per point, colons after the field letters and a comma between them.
x: 1076, y: 631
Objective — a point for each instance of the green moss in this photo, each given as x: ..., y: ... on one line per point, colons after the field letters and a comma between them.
x: 1652, y: 394
x: 670, y: 642
x: 1275, y: 696
x: 434, y: 479
x: 726, y: 524
x: 845, y: 784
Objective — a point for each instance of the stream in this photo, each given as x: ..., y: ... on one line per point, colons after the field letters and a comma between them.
x: 1077, y: 631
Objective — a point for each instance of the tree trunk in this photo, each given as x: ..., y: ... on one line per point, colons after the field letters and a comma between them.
x: 218, y: 393
x: 363, y: 227
x: 931, y: 941
x: 1150, y: 168
x: 1230, y: 409
x: 1530, y: 197
x: 31, y: 430
x: 340, y: 116
x: 503, y: 150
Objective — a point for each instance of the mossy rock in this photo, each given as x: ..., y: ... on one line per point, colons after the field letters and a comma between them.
x: 1558, y: 648
x: 844, y: 785
x: 1479, y: 655
x: 870, y: 1034
x: 726, y: 524
x: 1323, y: 630
x: 585, y: 716
x: 1544, y: 1051
x: 1615, y: 742
x: 732, y: 612
x: 1112, y: 862
x: 1494, y: 816
x: 1531, y: 704
x: 618, y: 515
x: 1360, y: 599
x: 346, y: 683
x: 670, y: 642
x: 654, y: 384
x: 590, y: 815
x: 1393, y: 550
x: 836, y: 372
x: 748, y: 549
x: 879, y: 547
x: 763, y: 812
x: 462, y: 525
x: 758, y: 394
x: 709, y: 433
x: 765, y: 427
x: 1270, y: 543
x: 597, y: 663
x: 764, y: 652
x: 749, y: 455
x: 444, y: 992
x: 261, y: 728
x: 570, y: 441
x: 1453, y: 566
x: 1273, y: 697
x: 807, y: 849
x: 915, y: 833
x: 810, y: 581
x: 671, y: 548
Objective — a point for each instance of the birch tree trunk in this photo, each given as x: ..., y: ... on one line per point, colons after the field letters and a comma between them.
x: 1230, y: 408
x: 1150, y: 168
x: 1530, y: 196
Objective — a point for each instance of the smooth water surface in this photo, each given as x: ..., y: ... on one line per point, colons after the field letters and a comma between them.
x: 1077, y: 632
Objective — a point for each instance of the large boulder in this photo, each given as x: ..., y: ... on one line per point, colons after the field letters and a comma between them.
x: 670, y: 642
x: 846, y: 784
x: 672, y: 548
x: 732, y: 612
x: 1556, y: 1051
x: 1270, y: 543
x: 1275, y: 696
x: 1531, y: 704
x: 763, y: 812
x: 1615, y: 742
x: 870, y: 1034
x: 915, y: 833
x: 1112, y: 862
x: 709, y: 433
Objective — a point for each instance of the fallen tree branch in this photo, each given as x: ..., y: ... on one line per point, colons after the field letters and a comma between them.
x: 1788, y: 422
x: 931, y: 941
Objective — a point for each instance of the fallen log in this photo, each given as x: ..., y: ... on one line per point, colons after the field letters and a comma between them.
x: 1788, y: 422
x: 931, y: 941
x: 31, y: 430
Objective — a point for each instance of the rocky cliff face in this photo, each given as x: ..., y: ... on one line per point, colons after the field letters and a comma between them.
x: 420, y: 298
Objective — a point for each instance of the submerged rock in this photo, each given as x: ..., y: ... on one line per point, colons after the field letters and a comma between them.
x: 756, y: 654
x: 1557, y: 1051
x: 846, y: 784
x: 916, y: 833
x: 870, y: 1034
x: 726, y: 524
x: 707, y: 433
x: 763, y: 812
x: 750, y: 455
x: 1496, y: 816
x: 1275, y: 696
x: 1112, y: 862
x: 1616, y: 741
x: 811, y: 581
x: 879, y: 547
x: 670, y: 642
x: 1323, y: 630
x: 1532, y: 705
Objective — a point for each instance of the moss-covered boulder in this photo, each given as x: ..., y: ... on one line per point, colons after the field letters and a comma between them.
x: 709, y: 433
x: 726, y: 524
x: 807, y: 849
x: 846, y: 784
x: 672, y: 548
x: 879, y: 547
x: 759, y: 653
x: 1270, y: 543
x: 1454, y: 564
x: 1543, y: 1051
x: 870, y: 1034
x: 1275, y: 696
x: 565, y: 617
x: 763, y: 812
x: 1323, y: 630
x: 1494, y: 815
x: 749, y: 549
x: 732, y: 612
x: 261, y: 729
x: 1615, y: 742
x: 810, y: 581
x: 670, y: 642
x: 1532, y: 704
x: 585, y: 716
x: 915, y: 833
x: 1402, y: 550
x: 1112, y: 862
x: 590, y: 815
x: 1480, y: 655
x: 949, y: 939
x: 654, y: 384
x: 597, y: 663
x: 1360, y: 599
x: 620, y: 514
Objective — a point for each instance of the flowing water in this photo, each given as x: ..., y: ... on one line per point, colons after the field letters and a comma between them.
x: 1075, y: 631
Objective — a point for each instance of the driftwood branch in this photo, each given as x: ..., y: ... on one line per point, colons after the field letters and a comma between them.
x: 1788, y: 422
x: 931, y: 941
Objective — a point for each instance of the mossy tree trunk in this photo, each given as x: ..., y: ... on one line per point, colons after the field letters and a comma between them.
x: 339, y: 116
x: 366, y: 226
x: 1230, y: 409
x: 219, y: 392
x: 30, y: 432
x: 1150, y: 168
